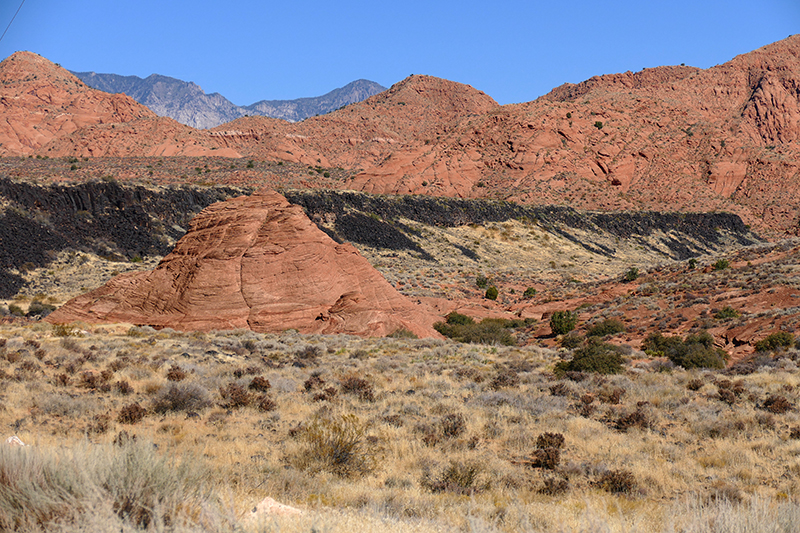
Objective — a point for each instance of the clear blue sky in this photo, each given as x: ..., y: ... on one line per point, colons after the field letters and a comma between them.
x: 514, y: 51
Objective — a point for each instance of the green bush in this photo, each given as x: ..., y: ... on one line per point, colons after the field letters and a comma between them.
x: 598, y: 124
x: 726, y: 312
x: 572, y: 340
x: 481, y: 281
x: 40, y: 309
x: 775, y: 342
x: 462, y: 328
x: 530, y: 292
x: 721, y: 264
x: 609, y: 326
x: 488, y: 331
x: 631, y: 274
x: 459, y: 319
x: 562, y: 322
x: 596, y: 356
x: 695, y: 351
x: 492, y: 293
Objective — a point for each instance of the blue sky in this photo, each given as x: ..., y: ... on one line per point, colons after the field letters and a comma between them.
x: 514, y: 51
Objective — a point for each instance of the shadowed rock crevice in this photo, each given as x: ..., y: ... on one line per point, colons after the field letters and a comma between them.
x: 374, y: 220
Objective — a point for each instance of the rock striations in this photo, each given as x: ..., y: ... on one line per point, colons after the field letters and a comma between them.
x: 255, y: 262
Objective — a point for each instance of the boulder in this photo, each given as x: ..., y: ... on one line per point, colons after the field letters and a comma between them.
x: 255, y: 262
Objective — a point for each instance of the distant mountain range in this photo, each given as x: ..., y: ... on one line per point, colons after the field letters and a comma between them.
x: 186, y: 102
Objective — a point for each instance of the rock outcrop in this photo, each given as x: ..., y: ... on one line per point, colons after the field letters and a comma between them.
x: 40, y: 101
x: 255, y: 262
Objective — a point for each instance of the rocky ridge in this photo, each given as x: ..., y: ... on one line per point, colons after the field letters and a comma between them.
x: 669, y: 138
x: 187, y: 103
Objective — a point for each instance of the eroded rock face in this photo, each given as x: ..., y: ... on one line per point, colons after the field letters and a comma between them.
x: 255, y: 262
x: 40, y: 101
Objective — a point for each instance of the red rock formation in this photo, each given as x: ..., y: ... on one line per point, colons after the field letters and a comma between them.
x: 41, y: 101
x: 255, y: 262
x: 669, y: 138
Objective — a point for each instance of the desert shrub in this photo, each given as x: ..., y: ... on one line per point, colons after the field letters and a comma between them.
x: 560, y: 389
x: 547, y: 458
x: 636, y: 419
x: 547, y: 454
x: 453, y: 425
x: 775, y: 341
x: 314, y: 382
x: 93, y: 380
x: 325, y: 395
x: 726, y: 396
x: 123, y: 387
x: 695, y: 384
x: 132, y: 413
x: 530, y: 292
x: 505, y: 378
x: 458, y: 477
x: 481, y: 281
x: 40, y: 309
x: 550, y: 440
x: 554, y: 486
x: 403, y: 333
x: 596, y: 356
x: 721, y: 264
x: 181, y: 397
x: 631, y: 274
x: 264, y: 402
x: 234, y: 396
x: 359, y: 387
x: 794, y: 433
x: 612, y: 395
x: 66, y: 330
x: 462, y: 328
x: 571, y: 340
x: 98, y: 425
x: 562, y: 322
x: 617, y: 481
x: 259, y: 384
x: 54, y: 489
x: 491, y: 293
x: 15, y: 310
x: 726, y: 312
x: 457, y: 319
x: 339, y: 445
x: 695, y: 351
x: 609, y: 326
x: 176, y: 373
x: 777, y: 404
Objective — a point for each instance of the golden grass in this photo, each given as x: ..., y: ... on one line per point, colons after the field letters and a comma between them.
x: 434, y: 418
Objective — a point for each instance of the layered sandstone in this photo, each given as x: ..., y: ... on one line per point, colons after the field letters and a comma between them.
x: 255, y: 262
x: 41, y: 101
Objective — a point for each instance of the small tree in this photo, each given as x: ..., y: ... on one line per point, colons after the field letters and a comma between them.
x: 562, y: 322
x: 530, y: 292
x: 631, y: 274
x: 491, y: 293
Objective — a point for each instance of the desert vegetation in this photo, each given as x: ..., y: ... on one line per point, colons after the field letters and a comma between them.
x: 397, y: 434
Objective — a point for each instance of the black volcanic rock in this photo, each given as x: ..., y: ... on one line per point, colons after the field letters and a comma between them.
x: 188, y: 104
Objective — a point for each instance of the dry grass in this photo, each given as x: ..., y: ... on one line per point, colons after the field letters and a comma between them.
x: 436, y: 445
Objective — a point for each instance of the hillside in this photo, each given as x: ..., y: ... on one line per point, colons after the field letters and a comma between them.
x: 187, y: 103
x: 668, y: 138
